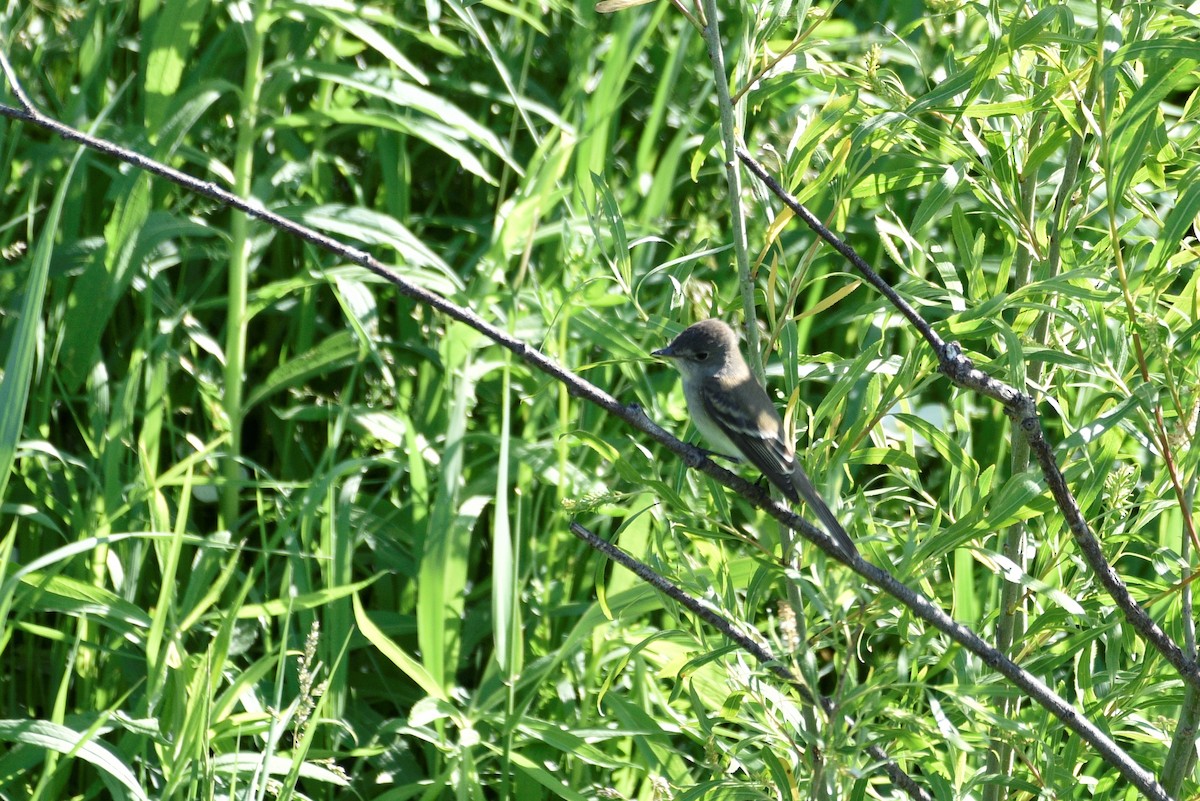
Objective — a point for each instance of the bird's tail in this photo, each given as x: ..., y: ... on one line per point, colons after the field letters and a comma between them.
x: 808, y: 492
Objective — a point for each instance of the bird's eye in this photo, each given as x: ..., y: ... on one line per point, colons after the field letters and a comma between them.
x: 701, y: 355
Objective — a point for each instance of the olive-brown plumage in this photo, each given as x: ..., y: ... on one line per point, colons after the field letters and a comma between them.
x: 735, y: 414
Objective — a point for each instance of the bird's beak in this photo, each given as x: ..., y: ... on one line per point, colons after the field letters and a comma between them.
x: 663, y: 353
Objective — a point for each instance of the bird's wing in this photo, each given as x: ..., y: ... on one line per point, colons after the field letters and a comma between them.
x: 756, y: 430
x: 760, y: 440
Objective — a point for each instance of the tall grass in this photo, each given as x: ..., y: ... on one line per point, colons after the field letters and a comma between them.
x: 270, y: 530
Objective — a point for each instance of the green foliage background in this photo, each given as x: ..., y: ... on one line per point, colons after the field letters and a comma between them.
x: 269, y: 528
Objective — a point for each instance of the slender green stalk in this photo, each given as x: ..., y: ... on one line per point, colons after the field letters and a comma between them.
x: 240, y: 244
x: 1010, y: 623
x: 819, y: 784
x: 732, y: 119
x: 1011, y: 613
x: 506, y: 578
x: 1181, y: 758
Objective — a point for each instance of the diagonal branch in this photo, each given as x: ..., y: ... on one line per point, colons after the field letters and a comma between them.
x: 1022, y: 410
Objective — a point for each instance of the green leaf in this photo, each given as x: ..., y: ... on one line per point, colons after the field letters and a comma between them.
x: 177, y: 27
x: 335, y: 352
x: 26, y: 338
x: 395, y: 654
x: 81, y: 745
x: 1179, y: 223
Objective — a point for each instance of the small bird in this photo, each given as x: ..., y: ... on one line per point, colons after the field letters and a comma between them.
x: 733, y: 412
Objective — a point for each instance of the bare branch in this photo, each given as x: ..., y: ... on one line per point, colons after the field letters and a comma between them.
x: 1022, y: 410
